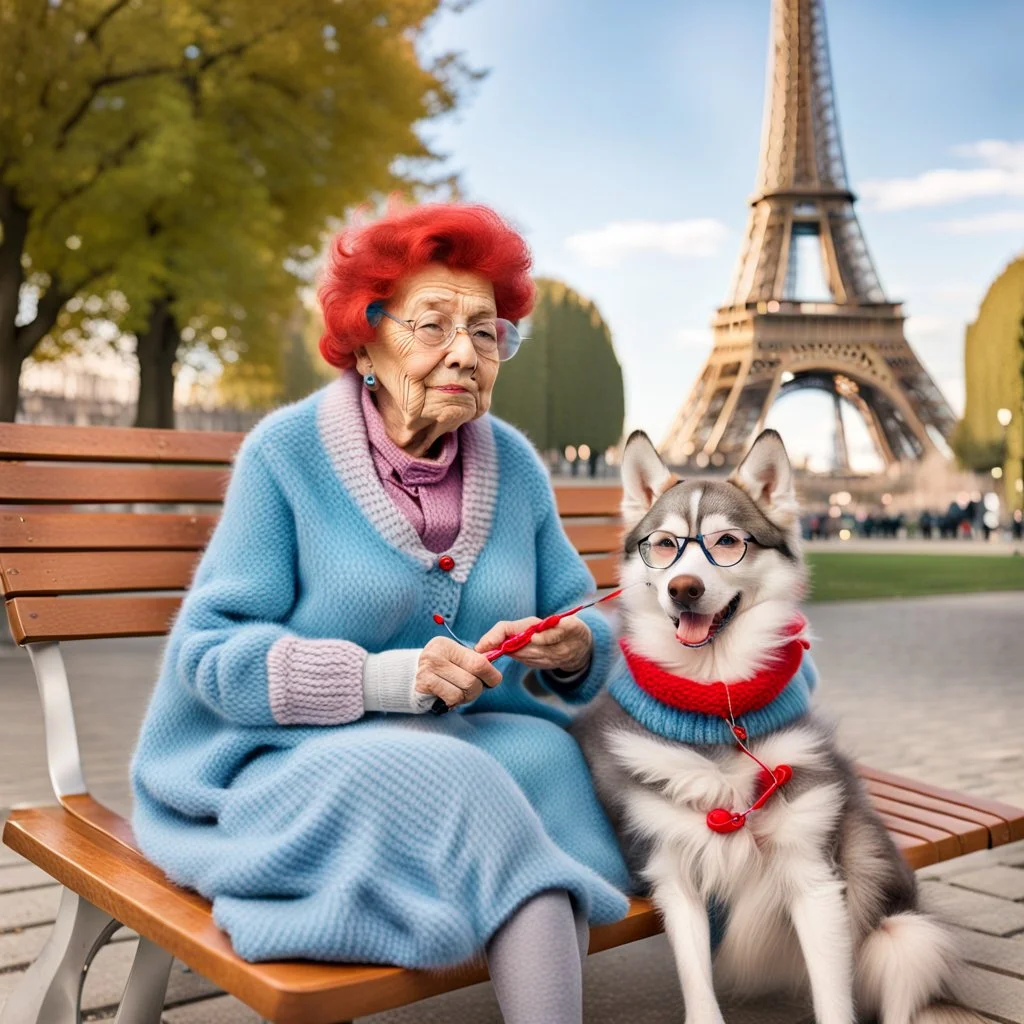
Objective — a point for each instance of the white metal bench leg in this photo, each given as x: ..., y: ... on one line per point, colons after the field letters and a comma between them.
x: 143, y: 999
x: 51, y: 990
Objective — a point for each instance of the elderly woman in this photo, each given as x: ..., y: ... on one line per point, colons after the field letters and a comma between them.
x: 289, y: 768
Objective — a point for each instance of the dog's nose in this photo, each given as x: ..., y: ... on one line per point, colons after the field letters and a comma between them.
x: 685, y: 589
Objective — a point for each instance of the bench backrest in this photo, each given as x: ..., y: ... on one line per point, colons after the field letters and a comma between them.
x: 75, y: 565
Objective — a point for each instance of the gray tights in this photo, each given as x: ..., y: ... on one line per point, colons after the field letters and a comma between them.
x: 535, y: 960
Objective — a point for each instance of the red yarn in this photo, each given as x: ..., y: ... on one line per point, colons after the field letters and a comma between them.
x: 365, y: 264
x: 715, y: 698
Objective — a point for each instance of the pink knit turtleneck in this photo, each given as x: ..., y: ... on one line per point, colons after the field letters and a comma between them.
x: 428, y: 491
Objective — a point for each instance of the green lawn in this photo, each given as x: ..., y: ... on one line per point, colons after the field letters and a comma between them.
x: 850, y: 577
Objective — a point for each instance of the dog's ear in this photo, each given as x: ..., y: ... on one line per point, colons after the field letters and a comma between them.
x: 644, y: 478
x: 767, y: 476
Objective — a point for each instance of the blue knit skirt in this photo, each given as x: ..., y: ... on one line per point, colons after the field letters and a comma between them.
x: 390, y: 840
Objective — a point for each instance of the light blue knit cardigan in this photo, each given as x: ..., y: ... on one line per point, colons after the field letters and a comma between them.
x: 322, y: 832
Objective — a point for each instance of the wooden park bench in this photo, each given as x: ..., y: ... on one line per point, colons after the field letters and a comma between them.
x: 72, y: 573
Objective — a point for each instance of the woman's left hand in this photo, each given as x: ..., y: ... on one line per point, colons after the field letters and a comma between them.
x: 566, y: 646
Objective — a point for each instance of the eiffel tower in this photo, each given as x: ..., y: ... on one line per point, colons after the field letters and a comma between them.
x: 806, y: 309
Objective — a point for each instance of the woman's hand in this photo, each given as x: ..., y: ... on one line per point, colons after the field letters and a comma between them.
x: 566, y: 646
x: 452, y: 672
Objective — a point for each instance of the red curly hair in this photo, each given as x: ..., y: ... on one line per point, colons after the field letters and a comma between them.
x: 365, y: 264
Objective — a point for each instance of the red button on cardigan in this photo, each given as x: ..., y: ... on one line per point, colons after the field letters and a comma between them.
x: 446, y: 562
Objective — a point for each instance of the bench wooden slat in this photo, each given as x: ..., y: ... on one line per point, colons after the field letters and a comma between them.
x: 116, y: 444
x: 1012, y: 818
x: 594, y: 538
x: 587, y: 500
x: 87, y: 808
x: 84, y: 572
x: 34, y: 484
x: 918, y: 853
x: 945, y: 843
x: 605, y: 570
x: 31, y: 530
x: 971, y: 815
x: 969, y: 837
x: 35, y: 619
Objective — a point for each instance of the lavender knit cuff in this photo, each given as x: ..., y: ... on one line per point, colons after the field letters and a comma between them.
x: 315, y: 682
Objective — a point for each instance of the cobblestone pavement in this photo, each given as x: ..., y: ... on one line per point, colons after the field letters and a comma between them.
x: 928, y: 687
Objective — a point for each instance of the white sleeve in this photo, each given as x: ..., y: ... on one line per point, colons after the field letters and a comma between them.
x: 389, y: 680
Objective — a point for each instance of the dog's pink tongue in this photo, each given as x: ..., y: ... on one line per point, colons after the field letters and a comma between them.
x: 693, y: 629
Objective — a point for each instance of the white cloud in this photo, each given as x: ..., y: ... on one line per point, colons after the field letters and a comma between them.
x: 615, y: 242
x: 938, y: 188
x: 985, y: 224
x: 1002, y: 175
x: 995, y: 152
x: 924, y: 326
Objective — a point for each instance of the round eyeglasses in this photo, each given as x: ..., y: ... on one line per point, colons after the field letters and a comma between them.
x: 723, y: 548
x: 490, y: 337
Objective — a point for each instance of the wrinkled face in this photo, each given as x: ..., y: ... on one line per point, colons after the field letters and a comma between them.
x: 749, y: 527
x: 429, y: 390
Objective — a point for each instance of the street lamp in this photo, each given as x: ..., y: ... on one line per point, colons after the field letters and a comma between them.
x: 1005, y: 417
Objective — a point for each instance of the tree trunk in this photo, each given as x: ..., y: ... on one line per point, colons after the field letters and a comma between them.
x: 10, y: 374
x: 14, y: 219
x: 157, y: 350
x: 18, y: 342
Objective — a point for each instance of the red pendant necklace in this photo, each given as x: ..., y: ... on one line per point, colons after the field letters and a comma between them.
x: 724, y: 821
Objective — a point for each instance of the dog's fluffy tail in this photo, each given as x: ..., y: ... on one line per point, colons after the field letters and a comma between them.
x: 904, y: 968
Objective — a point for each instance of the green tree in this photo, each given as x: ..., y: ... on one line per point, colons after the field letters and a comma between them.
x: 565, y: 385
x: 169, y: 155
x: 294, y: 370
x: 994, y: 379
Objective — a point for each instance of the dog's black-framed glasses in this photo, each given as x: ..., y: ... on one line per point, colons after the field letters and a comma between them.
x: 724, y: 548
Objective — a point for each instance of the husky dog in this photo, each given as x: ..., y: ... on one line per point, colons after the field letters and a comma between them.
x: 735, y: 795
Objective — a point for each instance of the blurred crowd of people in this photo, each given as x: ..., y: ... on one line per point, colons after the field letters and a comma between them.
x: 958, y: 521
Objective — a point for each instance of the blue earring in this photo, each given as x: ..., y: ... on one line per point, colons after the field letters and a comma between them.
x: 370, y: 381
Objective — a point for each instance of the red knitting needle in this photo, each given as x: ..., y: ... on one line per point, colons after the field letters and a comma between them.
x: 519, y: 640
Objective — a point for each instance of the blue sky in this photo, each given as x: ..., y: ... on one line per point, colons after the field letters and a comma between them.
x: 600, y: 113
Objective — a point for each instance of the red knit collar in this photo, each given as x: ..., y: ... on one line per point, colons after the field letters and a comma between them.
x: 719, y: 698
